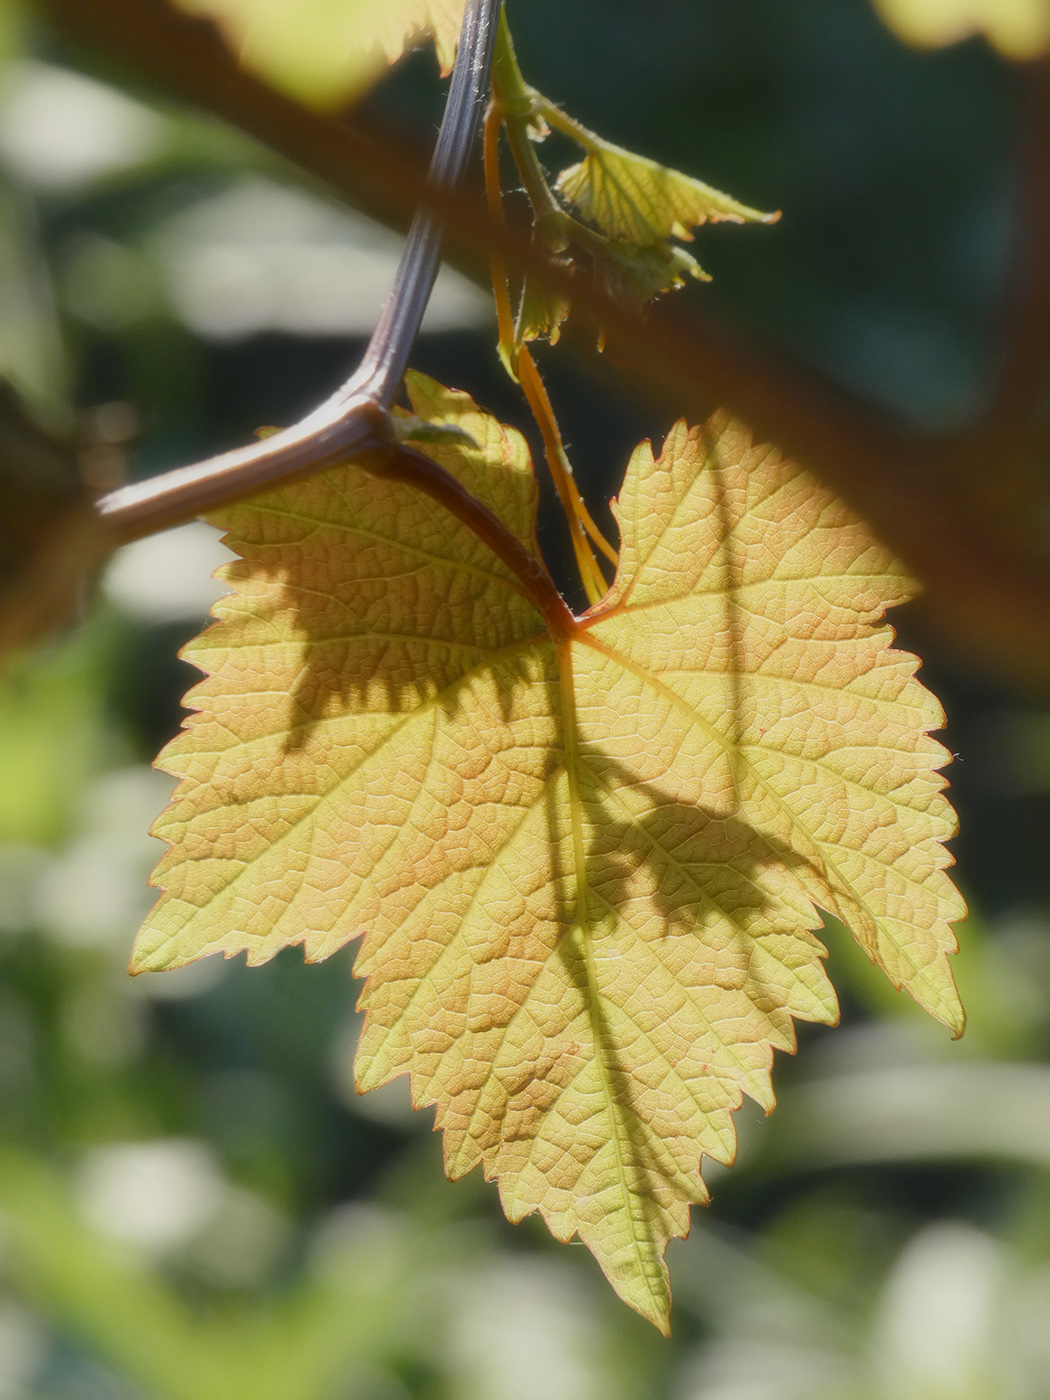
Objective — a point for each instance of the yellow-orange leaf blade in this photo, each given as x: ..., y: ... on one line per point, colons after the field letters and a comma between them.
x: 327, y: 52
x: 586, y: 871
x: 358, y: 609
x: 764, y: 594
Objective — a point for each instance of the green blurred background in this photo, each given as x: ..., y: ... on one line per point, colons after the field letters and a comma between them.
x: 193, y: 1202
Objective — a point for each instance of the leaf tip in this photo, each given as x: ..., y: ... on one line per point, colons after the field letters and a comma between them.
x: 938, y: 994
x: 654, y: 1304
x: 956, y: 1019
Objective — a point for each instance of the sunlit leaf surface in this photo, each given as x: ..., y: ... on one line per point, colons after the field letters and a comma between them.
x: 326, y: 52
x: 1019, y: 28
x: 641, y: 202
x: 586, y: 871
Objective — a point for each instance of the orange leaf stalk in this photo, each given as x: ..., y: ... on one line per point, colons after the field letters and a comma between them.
x: 519, y: 358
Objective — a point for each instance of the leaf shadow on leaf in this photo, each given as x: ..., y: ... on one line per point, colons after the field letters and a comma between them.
x: 732, y: 581
x: 701, y: 876
x: 392, y: 553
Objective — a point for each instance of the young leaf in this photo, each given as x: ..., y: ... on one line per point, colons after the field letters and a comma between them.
x: 637, y: 200
x: 542, y: 312
x: 327, y: 52
x: 632, y: 208
x: 586, y: 867
x: 1018, y: 28
x: 633, y: 273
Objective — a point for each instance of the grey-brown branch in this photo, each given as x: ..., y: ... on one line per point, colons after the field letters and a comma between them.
x: 354, y: 419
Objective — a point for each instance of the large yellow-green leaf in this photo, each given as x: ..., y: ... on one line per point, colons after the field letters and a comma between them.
x: 325, y: 52
x: 1019, y: 28
x: 586, y: 870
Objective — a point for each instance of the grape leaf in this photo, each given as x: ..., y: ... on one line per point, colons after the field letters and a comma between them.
x: 542, y: 311
x: 327, y: 52
x: 627, y: 271
x: 633, y: 208
x: 1018, y: 28
x: 641, y: 202
x: 587, y: 868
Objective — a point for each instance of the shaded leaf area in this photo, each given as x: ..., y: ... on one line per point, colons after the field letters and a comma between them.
x: 586, y: 869
x: 327, y: 52
x: 627, y: 271
x: 1018, y: 28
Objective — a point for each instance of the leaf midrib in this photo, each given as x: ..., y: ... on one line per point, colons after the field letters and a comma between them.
x: 582, y: 921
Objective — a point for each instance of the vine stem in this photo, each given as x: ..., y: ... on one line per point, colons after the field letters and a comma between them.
x: 386, y: 358
x: 519, y: 364
x: 540, y: 403
x: 497, y: 262
x: 568, y: 126
x: 517, y: 104
x: 355, y: 418
x: 510, y: 101
x: 400, y: 462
